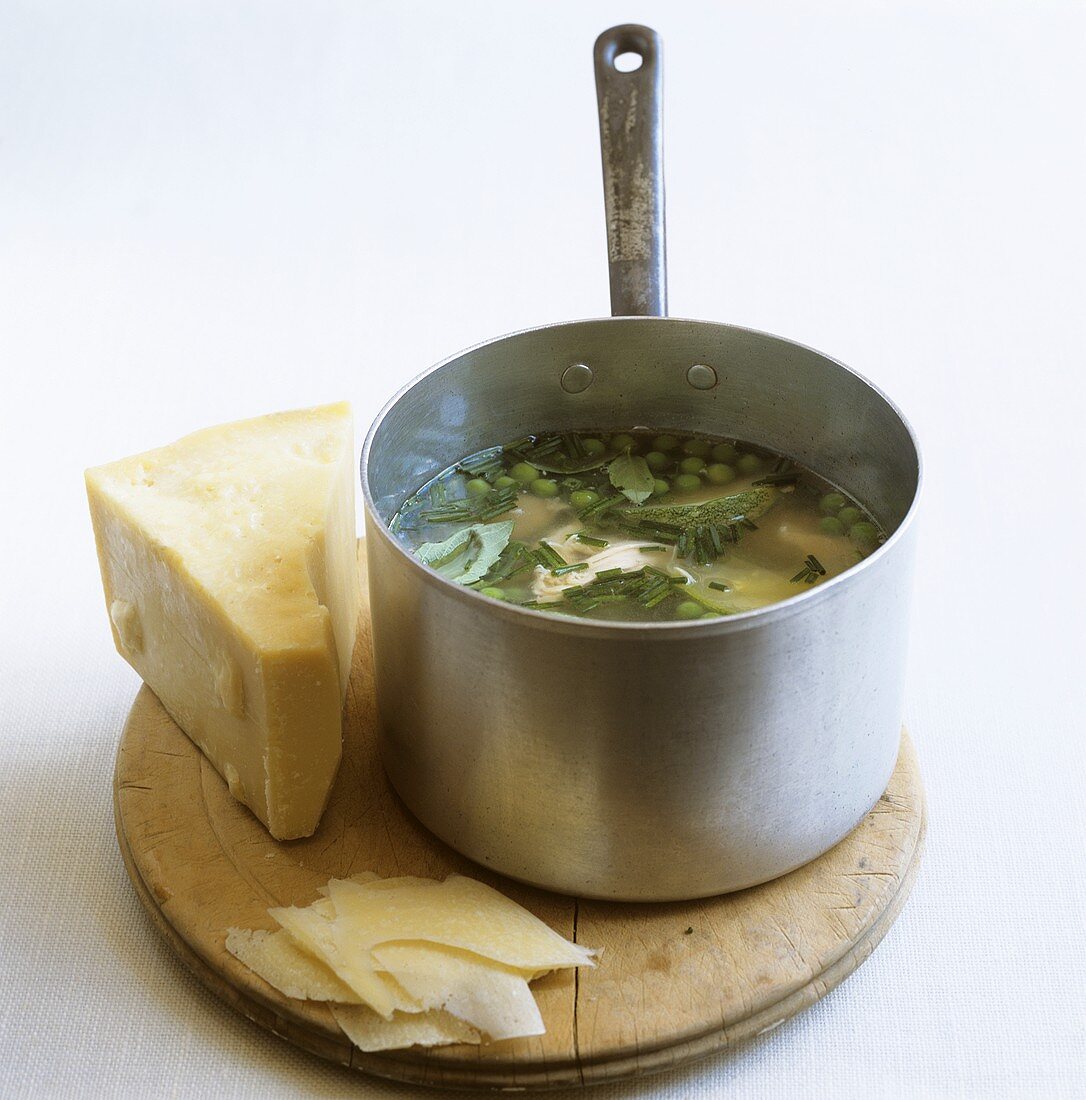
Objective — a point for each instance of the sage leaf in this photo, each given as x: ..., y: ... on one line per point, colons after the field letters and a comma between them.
x: 631, y: 476
x: 746, y: 505
x: 467, y: 555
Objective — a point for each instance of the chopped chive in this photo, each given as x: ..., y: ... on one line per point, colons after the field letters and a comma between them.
x: 601, y: 505
x: 484, y: 464
x: 574, y: 446
x: 493, y: 504
x: 784, y: 471
x: 591, y: 540
x: 812, y: 570
x: 548, y: 557
x: 547, y: 446
x: 562, y: 570
x: 653, y: 549
x: 603, y: 574
x: 719, y: 586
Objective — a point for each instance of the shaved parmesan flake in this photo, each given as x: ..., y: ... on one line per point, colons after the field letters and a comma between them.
x: 370, y: 1032
x: 361, y: 876
x: 458, y: 912
x: 494, y: 998
x: 277, y: 958
x: 315, y: 933
x: 409, y: 961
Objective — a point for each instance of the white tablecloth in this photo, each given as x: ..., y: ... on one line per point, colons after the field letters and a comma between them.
x: 210, y: 211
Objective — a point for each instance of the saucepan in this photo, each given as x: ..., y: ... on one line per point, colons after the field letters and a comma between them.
x: 636, y: 761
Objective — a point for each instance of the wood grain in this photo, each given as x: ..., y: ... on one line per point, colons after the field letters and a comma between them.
x: 677, y: 981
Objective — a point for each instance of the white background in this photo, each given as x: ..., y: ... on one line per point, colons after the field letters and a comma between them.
x: 213, y: 210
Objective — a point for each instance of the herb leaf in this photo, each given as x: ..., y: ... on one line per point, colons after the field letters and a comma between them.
x: 721, y: 510
x: 700, y: 531
x: 631, y: 476
x: 468, y: 554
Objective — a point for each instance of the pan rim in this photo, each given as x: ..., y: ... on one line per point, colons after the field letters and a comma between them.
x: 560, y: 623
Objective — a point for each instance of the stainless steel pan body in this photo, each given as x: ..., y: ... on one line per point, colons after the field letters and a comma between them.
x: 632, y: 761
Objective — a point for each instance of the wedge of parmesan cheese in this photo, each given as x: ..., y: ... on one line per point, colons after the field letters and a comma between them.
x: 229, y: 563
x: 409, y: 961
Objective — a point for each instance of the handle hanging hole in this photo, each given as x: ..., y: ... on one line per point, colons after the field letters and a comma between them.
x: 628, y: 62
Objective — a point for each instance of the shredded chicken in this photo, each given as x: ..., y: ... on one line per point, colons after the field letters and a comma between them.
x: 625, y: 555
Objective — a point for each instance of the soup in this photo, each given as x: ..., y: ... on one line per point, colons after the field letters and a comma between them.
x: 634, y: 526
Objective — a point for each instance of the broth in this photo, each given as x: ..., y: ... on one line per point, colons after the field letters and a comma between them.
x: 635, y: 526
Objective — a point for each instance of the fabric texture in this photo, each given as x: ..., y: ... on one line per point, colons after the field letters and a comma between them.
x: 214, y: 211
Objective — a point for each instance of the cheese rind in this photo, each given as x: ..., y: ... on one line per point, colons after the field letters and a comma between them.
x: 228, y: 561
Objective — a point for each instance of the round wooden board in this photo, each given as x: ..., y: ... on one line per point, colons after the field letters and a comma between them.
x: 677, y: 981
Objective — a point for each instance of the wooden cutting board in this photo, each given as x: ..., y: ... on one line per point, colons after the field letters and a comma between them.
x: 676, y: 982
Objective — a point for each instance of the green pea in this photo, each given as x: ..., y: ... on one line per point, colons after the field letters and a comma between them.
x: 687, y: 483
x: 657, y: 461
x: 505, y: 481
x: 692, y: 465
x: 720, y: 474
x: 582, y: 498
x: 699, y: 447
x: 494, y: 593
x: 688, y: 610
x: 831, y: 525
x: 748, y: 464
x: 544, y: 487
x: 664, y: 443
x: 725, y: 452
x: 623, y: 441
x: 832, y: 503
x: 593, y: 446
x: 710, y: 615
x: 524, y: 472
x: 477, y: 487
x: 863, y: 535
x: 848, y: 516
x: 659, y: 487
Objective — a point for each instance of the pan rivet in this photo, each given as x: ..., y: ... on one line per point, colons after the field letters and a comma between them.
x: 576, y: 378
x: 701, y: 377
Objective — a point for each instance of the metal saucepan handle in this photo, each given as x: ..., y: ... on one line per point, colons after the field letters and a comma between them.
x: 632, y: 143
